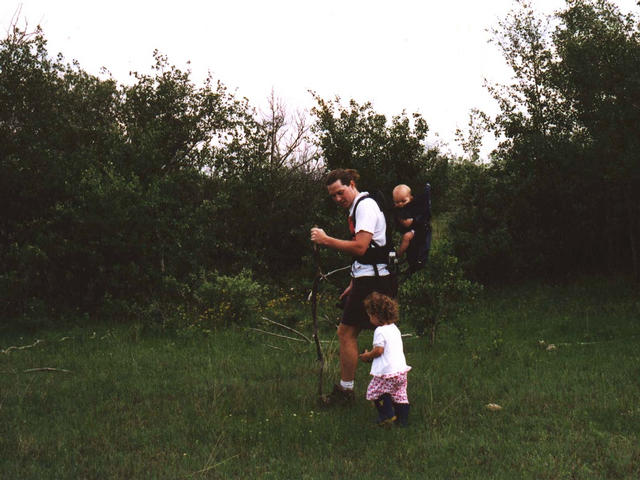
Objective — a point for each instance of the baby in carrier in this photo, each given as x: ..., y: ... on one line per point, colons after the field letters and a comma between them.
x: 413, y: 217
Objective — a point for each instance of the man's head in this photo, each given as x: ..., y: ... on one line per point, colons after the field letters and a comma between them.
x: 401, y: 196
x: 341, y: 184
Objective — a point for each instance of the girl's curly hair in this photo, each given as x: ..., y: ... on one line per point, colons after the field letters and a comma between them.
x: 382, y: 307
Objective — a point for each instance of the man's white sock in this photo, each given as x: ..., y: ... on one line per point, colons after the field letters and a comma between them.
x: 346, y: 385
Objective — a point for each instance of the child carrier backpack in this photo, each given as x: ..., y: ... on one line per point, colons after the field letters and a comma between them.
x: 418, y: 251
x: 427, y: 194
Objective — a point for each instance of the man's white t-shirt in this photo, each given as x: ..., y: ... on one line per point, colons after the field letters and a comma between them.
x: 369, y: 218
x: 392, y: 360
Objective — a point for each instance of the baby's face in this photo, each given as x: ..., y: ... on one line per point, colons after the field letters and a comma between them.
x: 401, y: 198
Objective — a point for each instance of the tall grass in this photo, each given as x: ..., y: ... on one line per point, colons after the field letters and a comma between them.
x: 240, y: 404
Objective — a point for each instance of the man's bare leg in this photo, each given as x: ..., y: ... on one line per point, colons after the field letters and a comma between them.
x: 348, y: 339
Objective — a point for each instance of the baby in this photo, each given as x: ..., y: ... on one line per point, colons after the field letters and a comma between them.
x: 413, y: 216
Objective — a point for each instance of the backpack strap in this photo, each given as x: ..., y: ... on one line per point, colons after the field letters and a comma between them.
x: 352, y: 217
x: 375, y: 254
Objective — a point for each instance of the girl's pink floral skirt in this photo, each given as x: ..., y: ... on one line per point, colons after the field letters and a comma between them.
x: 394, y: 384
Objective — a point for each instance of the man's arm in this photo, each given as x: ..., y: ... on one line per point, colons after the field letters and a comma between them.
x: 356, y: 247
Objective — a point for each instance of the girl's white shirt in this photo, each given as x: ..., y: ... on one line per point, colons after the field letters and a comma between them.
x: 369, y: 218
x: 392, y: 361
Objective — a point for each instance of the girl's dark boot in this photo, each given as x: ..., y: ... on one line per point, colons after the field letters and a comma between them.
x: 384, y: 404
x: 402, y: 413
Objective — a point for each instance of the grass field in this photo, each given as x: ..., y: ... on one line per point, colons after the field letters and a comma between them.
x: 240, y: 404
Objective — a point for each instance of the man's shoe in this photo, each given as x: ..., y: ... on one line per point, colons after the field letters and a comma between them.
x: 339, y: 396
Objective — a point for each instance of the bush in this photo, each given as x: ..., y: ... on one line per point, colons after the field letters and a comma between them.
x: 438, y: 293
x: 228, y: 299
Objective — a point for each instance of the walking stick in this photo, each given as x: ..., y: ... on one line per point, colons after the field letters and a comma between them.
x: 314, y: 316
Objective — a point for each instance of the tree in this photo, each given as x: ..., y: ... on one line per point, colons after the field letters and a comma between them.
x: 265, y: 169
x: 56, y: 124
x: 567, y: 122
x: 171, y: 124
x: 471, y: 140
x: 536, y: 126
x: 287, y: 136
x: 599, y: 74
x: 385, y: 153
x: 563, y: 127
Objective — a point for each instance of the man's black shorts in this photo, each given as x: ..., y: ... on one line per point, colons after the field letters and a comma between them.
x: 354, y: 313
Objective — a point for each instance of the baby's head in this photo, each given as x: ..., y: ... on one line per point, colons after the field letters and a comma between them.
x: 381, y: 309
x: 401, y: 196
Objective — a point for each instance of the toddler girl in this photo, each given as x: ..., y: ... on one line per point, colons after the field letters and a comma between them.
x: 388, y: 388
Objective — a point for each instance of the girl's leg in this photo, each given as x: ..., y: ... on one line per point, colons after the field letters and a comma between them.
x: 402, y: 413
x: 384, y: 404
x: 401, y: 400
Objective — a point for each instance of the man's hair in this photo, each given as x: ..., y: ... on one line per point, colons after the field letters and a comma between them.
x: 345, y: 175
x: 382, y: 307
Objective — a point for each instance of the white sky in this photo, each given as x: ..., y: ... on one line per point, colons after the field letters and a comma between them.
x: 422, y: 56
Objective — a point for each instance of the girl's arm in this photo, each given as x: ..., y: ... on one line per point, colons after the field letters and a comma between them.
x: 368, y: 356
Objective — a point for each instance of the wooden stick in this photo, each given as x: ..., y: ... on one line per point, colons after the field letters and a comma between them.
x: 314, y: 316
x: 8, y: 349
x: 288, y: 328
x: 47, y: 369
x: 324, y: 277
x: 276, y: 335
x: 211, y: 467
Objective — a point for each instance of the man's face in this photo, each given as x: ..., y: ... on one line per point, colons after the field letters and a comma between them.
x: 343, y: 195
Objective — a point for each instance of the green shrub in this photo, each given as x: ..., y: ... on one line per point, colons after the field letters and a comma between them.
x: 228, y: 299
x: 438, y: 293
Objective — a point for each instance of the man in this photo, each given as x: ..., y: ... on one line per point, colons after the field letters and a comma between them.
x: 369, y: 271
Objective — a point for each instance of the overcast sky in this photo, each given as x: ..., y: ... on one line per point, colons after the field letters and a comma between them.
x: 420, y: 56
